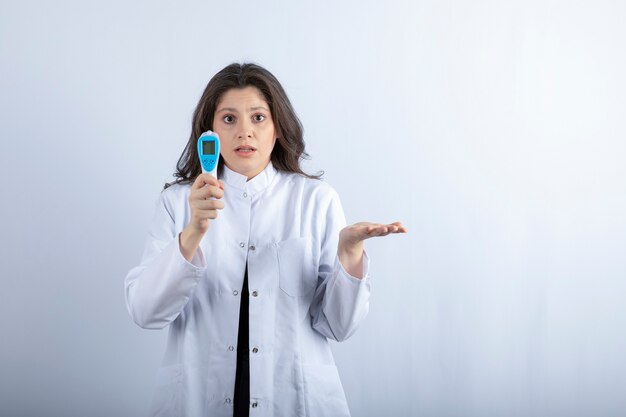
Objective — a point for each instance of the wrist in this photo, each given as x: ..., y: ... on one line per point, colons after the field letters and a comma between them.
x: 188, y: 241
x: 350, y: 250
x: 351, y: 258
x: 192, y: 232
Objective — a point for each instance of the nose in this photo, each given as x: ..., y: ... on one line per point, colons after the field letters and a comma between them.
x: 246, y: 131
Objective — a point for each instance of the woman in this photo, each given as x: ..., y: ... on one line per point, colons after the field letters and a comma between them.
x: 253, y: 273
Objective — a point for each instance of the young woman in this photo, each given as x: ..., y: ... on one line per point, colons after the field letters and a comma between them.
x: 253, y: 272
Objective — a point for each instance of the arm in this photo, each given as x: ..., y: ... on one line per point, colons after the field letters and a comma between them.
x: 158, y: 289
x: 173, y: 263
x: 341, y: 300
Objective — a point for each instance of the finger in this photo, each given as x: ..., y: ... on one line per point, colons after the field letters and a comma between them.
x: 375, y: 231
x: 206, y: 214
x: 383, y: 231
x: 207, y: 192
x: 372, y: 227
x: 204, y: 179
x: 380, y: 233
x: 369, y: 232
x: 208, y: 205
x: 400, y: 227
x: 215, y: 192
x: 389, y: 232
x: 364, y: 224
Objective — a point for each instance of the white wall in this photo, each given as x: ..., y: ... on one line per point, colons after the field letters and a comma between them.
x: 495, y: 130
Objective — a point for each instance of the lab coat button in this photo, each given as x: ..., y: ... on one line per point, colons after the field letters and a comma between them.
x: 255, y: 350
x: 235, y: 292
x: 252, y: 247
x: 254, y: 404
x: 241, y: 244
x: 245, y: 195
x: 227, y: 400
x: 255, y: 293
x: 231, y: 348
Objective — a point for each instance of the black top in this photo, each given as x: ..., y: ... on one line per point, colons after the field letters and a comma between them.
x: 242, y: 375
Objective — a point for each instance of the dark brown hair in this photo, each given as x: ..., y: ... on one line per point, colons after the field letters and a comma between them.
x: 289, y: 147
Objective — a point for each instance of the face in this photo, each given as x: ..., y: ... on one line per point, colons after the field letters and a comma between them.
x: 244, y: 124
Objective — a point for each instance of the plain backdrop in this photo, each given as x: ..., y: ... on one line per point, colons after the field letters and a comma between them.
x: 495, y: 130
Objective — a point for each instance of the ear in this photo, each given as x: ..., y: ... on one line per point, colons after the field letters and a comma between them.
x: 278, y: 133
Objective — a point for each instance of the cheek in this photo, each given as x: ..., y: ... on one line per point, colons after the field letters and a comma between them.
x: 271, y: 145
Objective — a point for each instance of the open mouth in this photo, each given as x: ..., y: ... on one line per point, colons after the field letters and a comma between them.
x: 245, y: 150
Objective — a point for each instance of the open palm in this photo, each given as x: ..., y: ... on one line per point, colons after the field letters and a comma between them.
x: 354, y: 234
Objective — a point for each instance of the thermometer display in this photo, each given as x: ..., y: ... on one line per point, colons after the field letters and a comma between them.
x: 208, y: 147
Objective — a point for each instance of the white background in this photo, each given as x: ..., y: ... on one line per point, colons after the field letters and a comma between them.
x: 493, y: 129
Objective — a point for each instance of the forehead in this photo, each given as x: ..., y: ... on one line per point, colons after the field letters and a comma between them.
x: 242, y: 98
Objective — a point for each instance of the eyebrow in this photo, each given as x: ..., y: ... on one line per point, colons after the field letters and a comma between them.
x: 233, y: 110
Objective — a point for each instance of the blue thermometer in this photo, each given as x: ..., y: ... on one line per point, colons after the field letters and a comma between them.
x: 209, y: 152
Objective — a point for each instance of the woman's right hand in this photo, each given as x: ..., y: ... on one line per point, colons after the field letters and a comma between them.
x: 204, y: 201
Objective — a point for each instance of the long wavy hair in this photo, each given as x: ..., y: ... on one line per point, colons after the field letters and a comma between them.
x: 289, y: 147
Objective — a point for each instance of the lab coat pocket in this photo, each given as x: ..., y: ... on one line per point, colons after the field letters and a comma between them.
x: 323, y: 392
x: 297, y: 269
x: 166, y: 401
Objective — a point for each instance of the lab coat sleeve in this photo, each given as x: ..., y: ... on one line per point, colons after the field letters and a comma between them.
x: 158, y: 289
x: 341, y: 301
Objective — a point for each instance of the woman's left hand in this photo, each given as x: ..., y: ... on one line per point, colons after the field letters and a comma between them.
x: 350, y: 250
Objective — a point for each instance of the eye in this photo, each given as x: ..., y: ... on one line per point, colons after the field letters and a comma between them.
x: 259, y: 117
x: 228, y: 119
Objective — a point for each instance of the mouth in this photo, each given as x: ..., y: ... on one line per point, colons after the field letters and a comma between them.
x: 245, y: 150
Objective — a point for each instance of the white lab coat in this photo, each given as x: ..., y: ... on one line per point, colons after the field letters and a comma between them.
x: 286, y: 227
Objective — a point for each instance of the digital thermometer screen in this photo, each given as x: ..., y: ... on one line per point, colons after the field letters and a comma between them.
x: 208, y: 147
